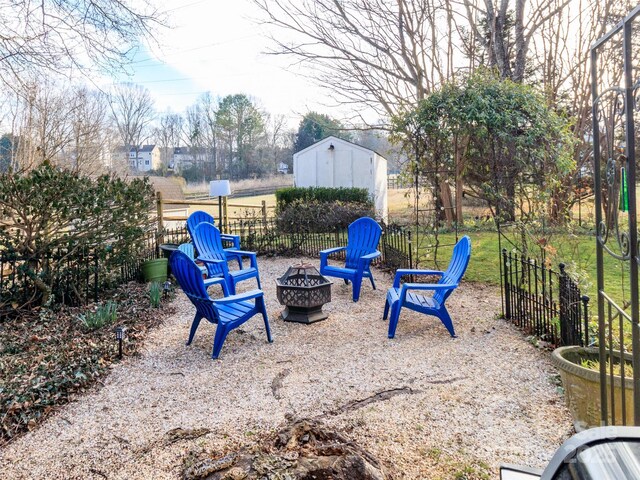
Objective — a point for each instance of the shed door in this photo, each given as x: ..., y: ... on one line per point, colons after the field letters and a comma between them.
x: 363, y: 172
x: 343, y: 168
x: 324, y: 168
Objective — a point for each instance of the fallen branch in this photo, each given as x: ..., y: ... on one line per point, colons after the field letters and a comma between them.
x: 378, y: 397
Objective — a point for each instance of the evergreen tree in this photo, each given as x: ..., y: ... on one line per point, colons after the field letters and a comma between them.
x: 316, y: 126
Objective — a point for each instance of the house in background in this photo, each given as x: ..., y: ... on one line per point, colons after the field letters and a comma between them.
x: 148, y: 158
x: 182, y: 158
x: 333, y: 162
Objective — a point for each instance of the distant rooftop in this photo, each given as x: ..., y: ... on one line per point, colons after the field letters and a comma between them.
x: 143, y: 148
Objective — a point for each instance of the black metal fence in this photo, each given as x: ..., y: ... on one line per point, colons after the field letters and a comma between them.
x: 265, y: 238
x: 66, y: 276
x: 543, y: 302
x: 78, y: 276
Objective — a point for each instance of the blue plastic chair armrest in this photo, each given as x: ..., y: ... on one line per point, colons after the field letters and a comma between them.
x: 244, y: 253
x: 329, y: 251
x: 324, y: 255
x: 365, y: 260
x: 213, y: 280
x: 231, y: 238
x: 239, y: 297
x: 371, y: 256
x: 429, y: 286
x: 405, y: 271
x: 210, y: 260
x: 228, y: 236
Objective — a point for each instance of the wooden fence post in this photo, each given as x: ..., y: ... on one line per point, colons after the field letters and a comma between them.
x: 225, y: 214
x: 507, y: 287
x: 160, y: 217
x: 264, y: 214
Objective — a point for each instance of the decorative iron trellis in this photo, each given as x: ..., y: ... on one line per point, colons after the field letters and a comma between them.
x: 615, y: 97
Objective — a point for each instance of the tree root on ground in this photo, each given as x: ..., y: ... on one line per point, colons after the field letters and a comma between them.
x: 304, y: 450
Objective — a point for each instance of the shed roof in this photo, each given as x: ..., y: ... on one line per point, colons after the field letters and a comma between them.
x: 331, y: 139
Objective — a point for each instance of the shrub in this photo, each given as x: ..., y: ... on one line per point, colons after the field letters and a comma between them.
x: 318, y: 217
x: 105, y: 314
x: 287, y: 196
x: 59, y: 225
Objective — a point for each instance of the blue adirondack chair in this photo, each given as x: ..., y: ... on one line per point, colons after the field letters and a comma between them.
x: 189, y: 251
x: 363, y: 237
x: 197, y: 217
x: 403, y: 296
x: 209, y: 245
x: 228, y: 312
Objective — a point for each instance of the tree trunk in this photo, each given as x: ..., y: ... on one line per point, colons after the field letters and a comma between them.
x: 445, y: 193
x: 459, y: 184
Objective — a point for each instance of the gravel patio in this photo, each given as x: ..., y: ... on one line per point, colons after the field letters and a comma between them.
x: 451, y: 405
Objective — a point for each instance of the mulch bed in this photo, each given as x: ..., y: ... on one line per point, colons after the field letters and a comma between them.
x: 47, y: 356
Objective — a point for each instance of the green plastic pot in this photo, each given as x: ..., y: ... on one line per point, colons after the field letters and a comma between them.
x: 155, y: 270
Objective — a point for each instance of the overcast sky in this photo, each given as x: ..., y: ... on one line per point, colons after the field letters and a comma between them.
x: 214, y: 45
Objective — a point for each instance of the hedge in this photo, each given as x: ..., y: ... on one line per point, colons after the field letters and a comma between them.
x: 321, y: 217
x: 287, y: 196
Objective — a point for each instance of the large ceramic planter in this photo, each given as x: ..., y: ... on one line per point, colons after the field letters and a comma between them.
x: 582, y: 387
x: 155, y: 270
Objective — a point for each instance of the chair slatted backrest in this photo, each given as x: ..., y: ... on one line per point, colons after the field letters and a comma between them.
x: 188, y: 250
x: 189, y: 277
x: 196, y: 218
x: 364, y: 235
x: 457, y: 266
x: 209, y: 244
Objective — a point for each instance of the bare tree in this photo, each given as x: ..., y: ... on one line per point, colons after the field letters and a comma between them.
x: 388, y: 54
x: 91, y: 131
x: 132, y: 111
x: 209, y: 132
x: 168, y: 134
x: 276, y: 137
x: 375, y: 52
x: 63, y: 126
x: 41, y: 124
x: 193, y: 137
x: 505, y: 30
x: 53, y: 35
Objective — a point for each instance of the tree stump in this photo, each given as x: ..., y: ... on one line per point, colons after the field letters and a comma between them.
x: 303, y: 451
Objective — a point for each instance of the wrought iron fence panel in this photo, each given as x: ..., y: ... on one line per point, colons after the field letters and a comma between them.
x: 82, y: 275
x: 532, y: 303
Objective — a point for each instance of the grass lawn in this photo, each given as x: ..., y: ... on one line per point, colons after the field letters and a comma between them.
x: 578, y: 252
x: 240, y: 208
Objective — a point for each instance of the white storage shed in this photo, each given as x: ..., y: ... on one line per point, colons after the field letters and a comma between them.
x: 334, y: 162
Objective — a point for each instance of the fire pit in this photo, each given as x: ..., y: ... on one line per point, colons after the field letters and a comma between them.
x: 304, y: 291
